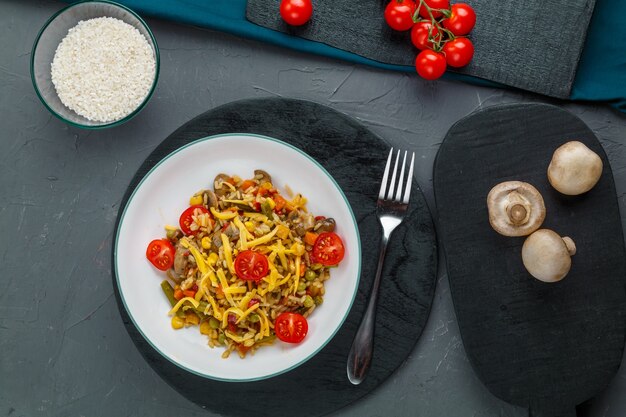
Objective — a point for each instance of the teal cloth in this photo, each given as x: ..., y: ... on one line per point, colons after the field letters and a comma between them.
x: 601, y: 73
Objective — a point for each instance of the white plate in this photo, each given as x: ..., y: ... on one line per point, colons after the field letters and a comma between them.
x: 164, y: 193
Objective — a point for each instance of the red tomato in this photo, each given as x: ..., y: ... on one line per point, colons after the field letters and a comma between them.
x: 399, y: 14
x: 430, y: 65
x: 328, y: 249
x: 291, y: 327
x: 434, y: 4
x: 251, y: 265
x: 420, y: 32
x: 296, y: 12
x: 459, y: 52
x: 186, y: 219
x: 462, y: 19
x: 161, y: 253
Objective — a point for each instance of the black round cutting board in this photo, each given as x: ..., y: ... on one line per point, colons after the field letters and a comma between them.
x: 355, y: 157
x: 548, y: 347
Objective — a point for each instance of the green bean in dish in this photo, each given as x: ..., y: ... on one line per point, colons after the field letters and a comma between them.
x: 246, y: 264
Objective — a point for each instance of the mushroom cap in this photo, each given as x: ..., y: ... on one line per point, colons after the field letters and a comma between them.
x: 574, y: 168
x: 516, y: 208
x: 547, y: 256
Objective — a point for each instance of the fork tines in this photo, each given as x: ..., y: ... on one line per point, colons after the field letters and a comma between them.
x: 387, y: 187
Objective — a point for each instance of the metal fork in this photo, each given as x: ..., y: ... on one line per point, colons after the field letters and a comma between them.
x: 390, y: 210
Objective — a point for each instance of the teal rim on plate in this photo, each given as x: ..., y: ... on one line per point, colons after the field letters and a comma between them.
x: 323, y: 170
x: 157, y: 66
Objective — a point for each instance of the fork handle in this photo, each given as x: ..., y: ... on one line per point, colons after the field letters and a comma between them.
x: 360, y: 356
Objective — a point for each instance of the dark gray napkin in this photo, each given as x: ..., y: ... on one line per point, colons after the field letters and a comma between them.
x: 534, y: 45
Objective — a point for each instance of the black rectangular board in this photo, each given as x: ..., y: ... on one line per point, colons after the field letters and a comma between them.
x: 548, y: 347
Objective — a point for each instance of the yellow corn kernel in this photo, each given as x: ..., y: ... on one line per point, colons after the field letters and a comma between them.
x: 298, y: 249
x: 250, y: 226
x: 177, y: 322
x: 196, y: 200
x: 282, y: 232
x: 271, y: 202
x: 206, y: 243
x: 267, y: 185
x: 213, y: 258
x: 205, y: 328
x: 191, y: 318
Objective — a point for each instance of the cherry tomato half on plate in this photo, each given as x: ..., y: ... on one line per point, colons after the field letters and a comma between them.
x: 459, y: 52
x: 399, y: 14
x: 420, y: 32
x: 161, y: 253
x: 251, y: 265
x: 462, y: 19
x: 328, y: 249
x: 296, y: 12
x: 186, y: 219
x: 430, y: 65
x: 434, y: 4
x: 291, y: 327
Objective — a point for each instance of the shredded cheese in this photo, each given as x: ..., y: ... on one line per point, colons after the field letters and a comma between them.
x: 217, y: 313
x: 225, y: 286
x: 248, y: 311
x: 245, y: 300
x: 263, y: 239
x: 223, y: 215
x: 181, y: 302
x: 228, y: 253
x: 297, y: 279
x: 235, y: 290
x: 202, y: 265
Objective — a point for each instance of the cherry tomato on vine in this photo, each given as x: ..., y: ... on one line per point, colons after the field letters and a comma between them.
x: 430, y: 65
x: 462, y: 19
x: 434, y: 4
x: 328, y: 249
x: 296, y: 12
x: 399, y: 14
x: 420, y: 32
x: 459, y: 52
x: 161, y: 253
x: 186, y: 218
x: 291, y: 327
x: 251, y: 265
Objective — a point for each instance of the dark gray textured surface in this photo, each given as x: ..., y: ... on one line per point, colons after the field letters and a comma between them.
x: 534, y: 45
x: 65, y: 351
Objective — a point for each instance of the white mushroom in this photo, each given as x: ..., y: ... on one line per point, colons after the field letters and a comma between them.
x: 547, y: 256
x: 515, y: 208
x: 574, y: 168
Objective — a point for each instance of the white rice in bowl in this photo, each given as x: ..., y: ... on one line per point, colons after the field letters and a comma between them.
x: 103, y: 69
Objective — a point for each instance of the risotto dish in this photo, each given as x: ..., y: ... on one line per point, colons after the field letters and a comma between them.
x: 246, y: 264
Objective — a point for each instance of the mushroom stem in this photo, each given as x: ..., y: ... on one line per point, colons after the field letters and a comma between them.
x: 518, y: 208
x: 570, y: 245
x: 518, y: 214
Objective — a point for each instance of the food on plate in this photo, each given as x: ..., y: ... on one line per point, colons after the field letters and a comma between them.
x: 547, y: 256
x: 515, y: 208
x: 574, y: 168
x: 296, y: 12
x: 246, y: 264
x: 103, y: 69
x: 437, y: 30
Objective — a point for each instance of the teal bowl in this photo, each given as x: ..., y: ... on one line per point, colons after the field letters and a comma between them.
x: 51, y: 35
